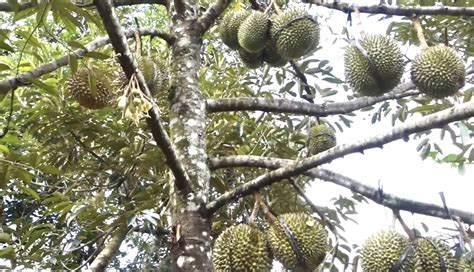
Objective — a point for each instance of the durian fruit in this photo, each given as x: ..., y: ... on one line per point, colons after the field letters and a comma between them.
x: 271, y: 56
x: 229, y: 27
x: 308, y: 234
x: 379, y: 75
x: 465, y: 264
x: 253, y: 32
x: 155, y: 74
x: 91, y: 88
x: 428, y: 253
x: 251, y: 60
x: 438, y: 72
x: 295, y: 33
x: 241, y: 248
x: 321, y: 138
x: 383, y: 250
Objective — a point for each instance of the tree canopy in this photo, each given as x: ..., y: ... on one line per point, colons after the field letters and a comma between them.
x: 164, y: 168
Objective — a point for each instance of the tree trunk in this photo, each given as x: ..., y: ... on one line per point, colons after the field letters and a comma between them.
x: 191, y: 248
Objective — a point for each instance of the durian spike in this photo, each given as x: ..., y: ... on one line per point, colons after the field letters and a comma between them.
x: 409, y: 232
x: 419, y: 32
x: 256, y: 206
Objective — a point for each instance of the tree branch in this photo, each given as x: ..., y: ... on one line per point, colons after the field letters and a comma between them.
x: 22, y: 79
x: 212, y: 13
x: 129, y: 66
x: 439, y: 119
x: 102, y: 260
x: 305, y: 108
x: 400, y: 11
x: 384, y: 199
x: 6, y: 7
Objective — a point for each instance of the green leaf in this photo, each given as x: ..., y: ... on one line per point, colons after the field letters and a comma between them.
x: 5, y: 46
x: 49, y: 89
x: 96, y: 55
x: 49, y: 169
x: 31, y: 192
x: 4, y: 149
x: 8, y: 253
x: 75, y: 44
x: 14, y: 4
x: 4, y: 67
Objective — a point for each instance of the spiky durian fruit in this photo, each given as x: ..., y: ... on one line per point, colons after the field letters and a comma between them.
x: 383, y: 250
x: 321, y: 138
x: 271, y: 56
x: 429, y: 253
x: 309, y: 235
x: 91, y: 88
x: 465, y: 264
x: 295, y: 33
x: 251, y: 60
x: 155, y: 74
x: 229, y: 27
x: 438, y: 72
x: 253, y: 32
x: 379, y: 71
x: 241, y: 248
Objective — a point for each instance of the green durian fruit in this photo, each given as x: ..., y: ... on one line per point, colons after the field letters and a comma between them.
x: 155, y: 74
x: 241, y: 248
x: 308, y: 234
x: 383, y: 250
x: 428, y: 254
x: 229, y: 27
x: 251, y: 60
x: 438, y: 72
x: 253, y: 32
x: 379, y: 75
x: 295, y: 33
x: 271, y: 56
x: 321, y: 138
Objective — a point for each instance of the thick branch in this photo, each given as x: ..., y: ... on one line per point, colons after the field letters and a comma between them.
x: 22, y: 79
x: 102, y: 260
x: 129, y: 66
x: 297, y: 107
x: 8, y: 8
x: 211, y: 14
x: 439, y: 119
x: 395, y: 10
x: 384, y: 199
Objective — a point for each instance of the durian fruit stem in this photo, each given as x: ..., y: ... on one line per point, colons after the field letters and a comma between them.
x: 276, y: 7
x: 138, y: 45
x: 359, y: 22
x: 419, y: 32
x: 268, y: 214
x: 409, y: 232
x: 256, y: 205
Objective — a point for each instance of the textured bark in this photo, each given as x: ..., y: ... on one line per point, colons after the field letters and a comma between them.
x: 22, y: 79
x: 102, y: 260
x: 387, y: 200
x: 191, y: 250
x: 305, y: 108
x: 440, y: 119
x: 395, y: 10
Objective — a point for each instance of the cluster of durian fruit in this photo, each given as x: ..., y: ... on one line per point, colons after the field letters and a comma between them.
x: 260, y: 38
x: 246, y: 248
x: 389, y: 250
x: 93, y: 89
x: 375, y: 66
